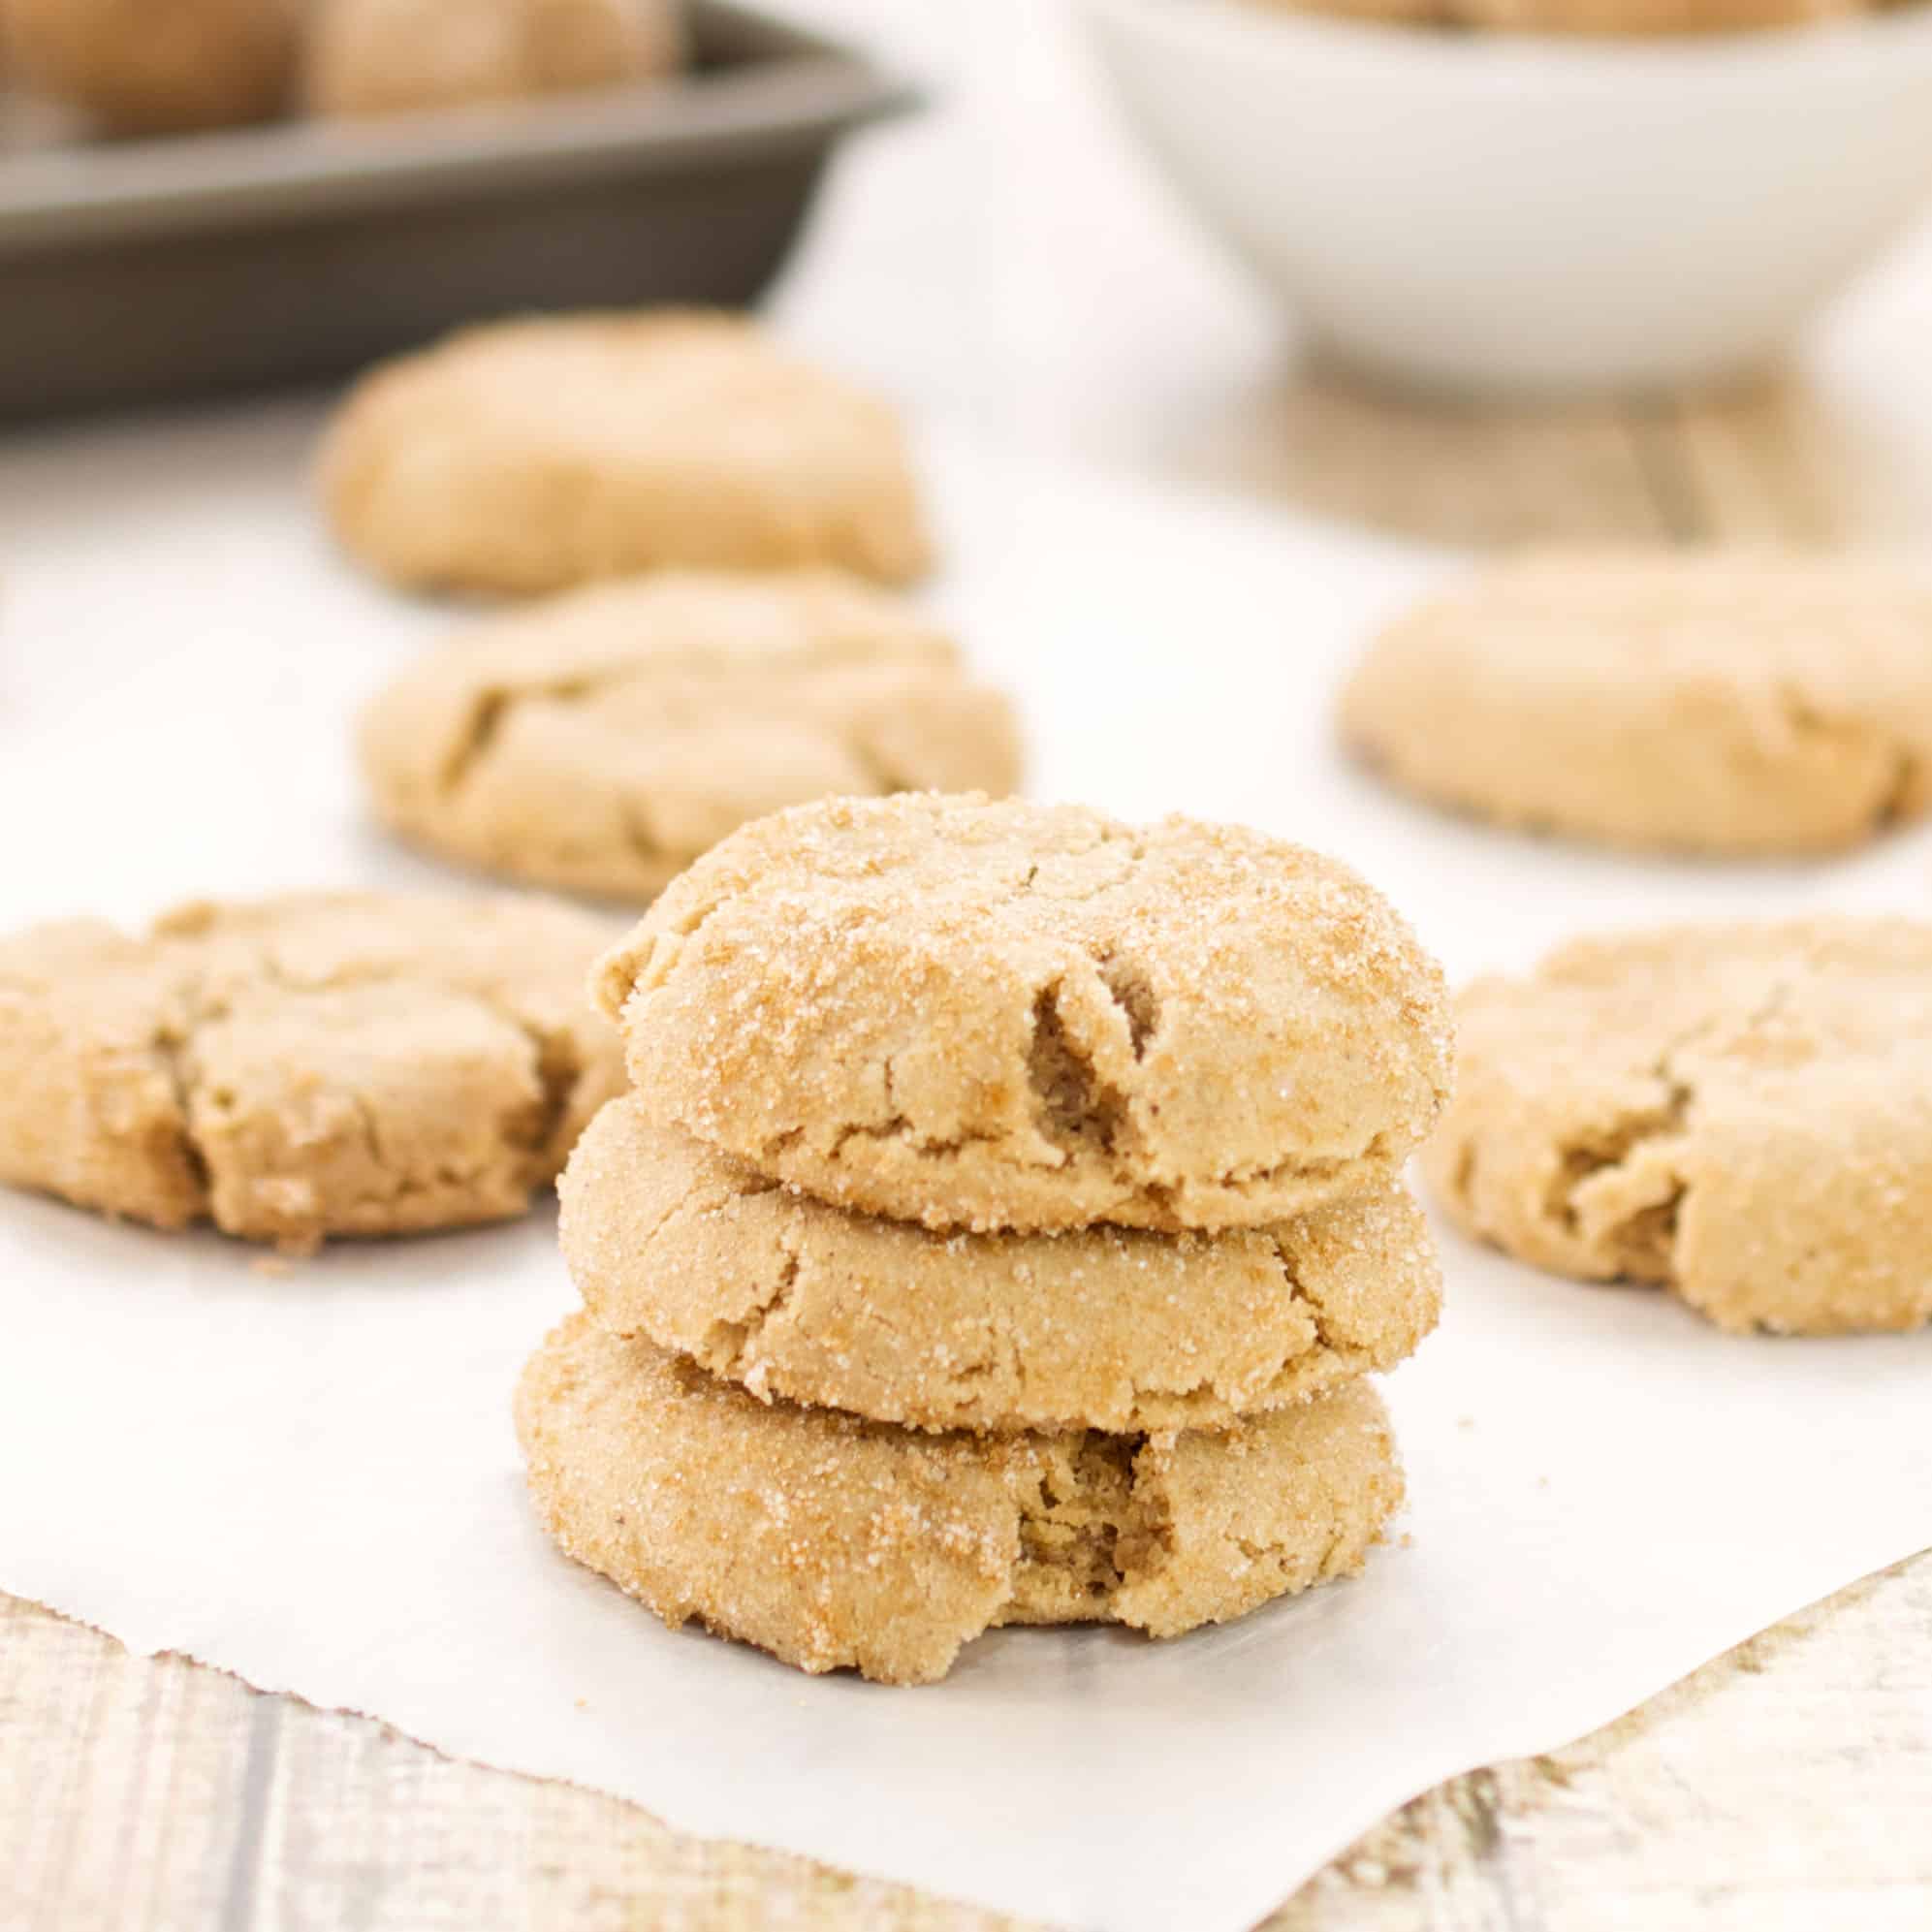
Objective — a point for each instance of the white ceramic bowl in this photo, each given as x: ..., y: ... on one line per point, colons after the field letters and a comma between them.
x: 1497, y: 212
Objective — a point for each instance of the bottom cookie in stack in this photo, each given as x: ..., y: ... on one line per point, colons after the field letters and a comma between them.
x: 831, y: 1540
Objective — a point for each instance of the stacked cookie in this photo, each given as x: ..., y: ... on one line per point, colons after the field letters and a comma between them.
x: 999, y: 1231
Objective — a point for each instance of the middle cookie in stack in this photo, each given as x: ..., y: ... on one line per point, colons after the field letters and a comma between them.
x: 999, y: 1232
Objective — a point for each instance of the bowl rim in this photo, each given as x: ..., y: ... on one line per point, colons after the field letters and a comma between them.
x: 1853, y: 49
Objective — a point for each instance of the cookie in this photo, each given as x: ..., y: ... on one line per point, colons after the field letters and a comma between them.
x: 135, y: 67
x: 1740, y: 1113
x: 1018, y: 1016
x: 300, y: 1067
x: 1600, y: 17
x: 835, y: 1542
x: 1103, y: 1328
x: 533, y: 455
x: 602, y: 740
x: 1633, y: 18
x: 369, y: 57
x: 1725, y: 703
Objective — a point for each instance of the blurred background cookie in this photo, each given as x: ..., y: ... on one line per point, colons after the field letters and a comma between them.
x: 1733, y: 704
x: 139, y: 67
x: 369, y: 57
x: 1634, y: 17
x: 530, y: 456
x: 603, y: 739
x: 1626, y: 18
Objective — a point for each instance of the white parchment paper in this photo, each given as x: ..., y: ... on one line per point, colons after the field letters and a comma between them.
x: 307, y: 1475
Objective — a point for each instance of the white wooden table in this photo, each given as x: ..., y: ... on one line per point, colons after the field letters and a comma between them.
x: 1007, y: 263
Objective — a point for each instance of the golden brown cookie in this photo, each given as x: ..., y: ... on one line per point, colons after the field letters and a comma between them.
x: 1620, y: 19
x: 602, y: 740
x: 1018, y: 1016
x: 299, y: 1068
x: 1713, y: 702
x: 1103, y: 1328
x: 531, y: 456
x: 1626, y: 18
x: 367, y: 57
x: 835, y: 1542
x: 138, y: 67
x: 1742, y: 1113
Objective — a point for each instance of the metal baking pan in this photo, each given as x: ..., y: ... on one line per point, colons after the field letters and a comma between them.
x: 156, y: 271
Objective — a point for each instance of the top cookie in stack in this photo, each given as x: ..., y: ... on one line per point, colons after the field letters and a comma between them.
x: 1000, y: 1230
x: 1014, y: 1016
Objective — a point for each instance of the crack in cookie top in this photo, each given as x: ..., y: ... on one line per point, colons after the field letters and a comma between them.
x: 1008, y: 1015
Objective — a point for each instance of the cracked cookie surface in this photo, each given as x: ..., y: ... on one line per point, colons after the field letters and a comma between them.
x: 305, y: 1066
x: 1740, y: 1113
x: 1735, y: 705
x: 1015, y: 1016
x: 1104, y: 1328
x: 524, y: 457
x: 603, y: 739
x: 835, y: 1542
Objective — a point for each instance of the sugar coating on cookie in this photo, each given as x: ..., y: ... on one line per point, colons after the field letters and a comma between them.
x: 835, y: 1542
x: 601, y: 740
x: 369, y: 57
x: 300, y: 1067
x: 1717, y: 702
x: 1104, y: 1328
x: 1741, y: 1113
x: 147, y: 67
x: 1016, y: 1016
x: 531, y: 456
